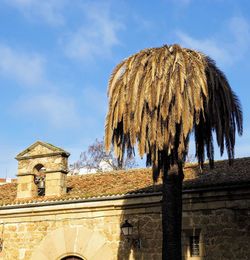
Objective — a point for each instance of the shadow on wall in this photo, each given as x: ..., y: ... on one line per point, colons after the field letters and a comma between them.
x: 145, y: 241
x: 145, y: 237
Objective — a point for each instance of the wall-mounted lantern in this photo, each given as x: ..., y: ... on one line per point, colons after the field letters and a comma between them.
x: 127, y: 231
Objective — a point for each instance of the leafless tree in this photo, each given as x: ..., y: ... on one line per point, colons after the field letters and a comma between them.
x: 96, y: 156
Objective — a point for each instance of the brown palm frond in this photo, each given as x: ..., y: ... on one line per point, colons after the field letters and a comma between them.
x: 158, y: 96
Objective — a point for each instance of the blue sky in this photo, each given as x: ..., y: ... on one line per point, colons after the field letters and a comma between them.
x: 56, y: 57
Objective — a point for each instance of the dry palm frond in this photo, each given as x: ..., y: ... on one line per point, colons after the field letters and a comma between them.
x: 158, y: 96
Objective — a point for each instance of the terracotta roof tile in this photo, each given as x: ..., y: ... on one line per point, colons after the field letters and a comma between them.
x: 138, y: 180
x: 8, y: 193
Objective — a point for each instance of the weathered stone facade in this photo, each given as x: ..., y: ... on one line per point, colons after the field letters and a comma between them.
x: 218, y: 216
x: 222, y: 218
x: 54, y: 162
x: 91, y: 228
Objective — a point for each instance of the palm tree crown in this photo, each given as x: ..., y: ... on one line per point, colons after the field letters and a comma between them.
x: 158, y: 96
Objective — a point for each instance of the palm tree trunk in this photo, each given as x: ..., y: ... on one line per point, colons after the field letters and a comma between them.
x: 172, y: 214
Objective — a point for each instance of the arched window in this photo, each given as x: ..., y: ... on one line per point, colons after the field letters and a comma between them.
x: 39, y: 179
x: 71, y: 257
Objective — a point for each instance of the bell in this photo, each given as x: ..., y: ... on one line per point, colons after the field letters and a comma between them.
x: 41, y: 184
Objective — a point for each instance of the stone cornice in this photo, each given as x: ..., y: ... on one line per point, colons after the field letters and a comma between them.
x: 42, y: 155
x: 59, y: 170
x: 45, y: 172
x: 25, y: 174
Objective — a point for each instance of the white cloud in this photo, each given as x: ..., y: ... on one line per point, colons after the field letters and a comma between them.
x: 208, y: 46
x: 48, y: 11
x: 240, y: 29
x: 96, y: 37
x: 27, y: 69
x: 57, y: 111
x: 226, y: 47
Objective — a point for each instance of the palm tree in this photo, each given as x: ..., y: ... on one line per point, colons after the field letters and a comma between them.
x: 157, y: 98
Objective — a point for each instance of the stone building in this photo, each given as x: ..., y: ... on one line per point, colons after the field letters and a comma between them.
x: 46, y: 215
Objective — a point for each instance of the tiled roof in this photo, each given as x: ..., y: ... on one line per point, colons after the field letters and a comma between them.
x: 139, y: 180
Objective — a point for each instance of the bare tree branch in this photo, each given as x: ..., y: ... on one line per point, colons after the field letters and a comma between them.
x: 96, y: 158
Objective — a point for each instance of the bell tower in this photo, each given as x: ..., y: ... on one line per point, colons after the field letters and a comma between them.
x: 42, y: 170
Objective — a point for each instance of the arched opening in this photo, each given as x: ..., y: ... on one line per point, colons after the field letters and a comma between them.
x: 72, y: 257
x: 39, y: 168
x: 39, y: 179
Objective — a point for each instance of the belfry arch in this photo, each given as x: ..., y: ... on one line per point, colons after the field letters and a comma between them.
x: 39, y: 178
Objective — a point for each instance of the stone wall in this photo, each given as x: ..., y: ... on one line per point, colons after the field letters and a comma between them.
x: 221, y: 217
x: 54, y: 162
x: 224, y: 233
x: 91, y: 228
x: 47, y: 232
x: 54, y: 165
